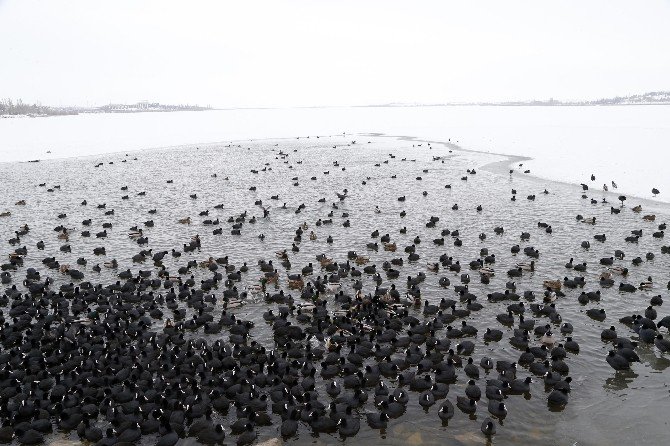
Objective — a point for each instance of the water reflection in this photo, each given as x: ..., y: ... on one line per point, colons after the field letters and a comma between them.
x: 554, y: 408
x: 659, y: 364
x: 621, y: 380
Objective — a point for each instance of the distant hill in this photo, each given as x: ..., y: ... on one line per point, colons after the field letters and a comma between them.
x: 654, y: 97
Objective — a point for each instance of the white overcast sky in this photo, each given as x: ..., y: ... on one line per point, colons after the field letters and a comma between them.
x: 295, y: 53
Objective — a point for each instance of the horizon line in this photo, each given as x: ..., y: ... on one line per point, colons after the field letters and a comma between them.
x: 616, y: 100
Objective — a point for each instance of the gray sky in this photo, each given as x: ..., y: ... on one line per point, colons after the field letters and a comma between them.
x: 294, y: 53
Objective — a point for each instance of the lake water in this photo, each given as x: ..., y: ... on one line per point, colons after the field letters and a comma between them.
x: 605, y: 407
x: 625, y: 144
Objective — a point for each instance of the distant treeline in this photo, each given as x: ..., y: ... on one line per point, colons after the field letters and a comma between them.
x: 146, y: 106
x: 654, y: 97
x: 19, y: 108
x: 9, y: 107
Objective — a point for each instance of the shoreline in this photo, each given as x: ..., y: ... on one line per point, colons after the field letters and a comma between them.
x: 82, y: 112
x: 497, y: 167
x: 501, y: 167
x: 643, y: 104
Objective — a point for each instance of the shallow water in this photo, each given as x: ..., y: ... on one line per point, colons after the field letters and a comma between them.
x: 605, y: 407
x: 623, y: 144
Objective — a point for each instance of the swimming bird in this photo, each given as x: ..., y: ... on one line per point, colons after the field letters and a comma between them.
x: 497, y: 408
x: 377, y: 420
x: 617, y: 362
x: 488, y: 428
x: 466, y: 404
x: 558, y: 398
x: 446, y: 411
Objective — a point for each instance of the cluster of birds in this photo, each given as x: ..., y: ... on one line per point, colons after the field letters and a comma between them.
x: 159, y: 352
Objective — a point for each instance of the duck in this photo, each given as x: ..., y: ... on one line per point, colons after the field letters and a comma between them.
x: 621, y: 270
x: 526, y: 266
x: 647, y: 285
x: 552, y: 284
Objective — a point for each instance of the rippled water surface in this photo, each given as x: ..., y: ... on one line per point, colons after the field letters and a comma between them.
x: 605, y: 407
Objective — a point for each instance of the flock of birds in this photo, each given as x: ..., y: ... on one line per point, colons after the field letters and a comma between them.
x: 159, y: 353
